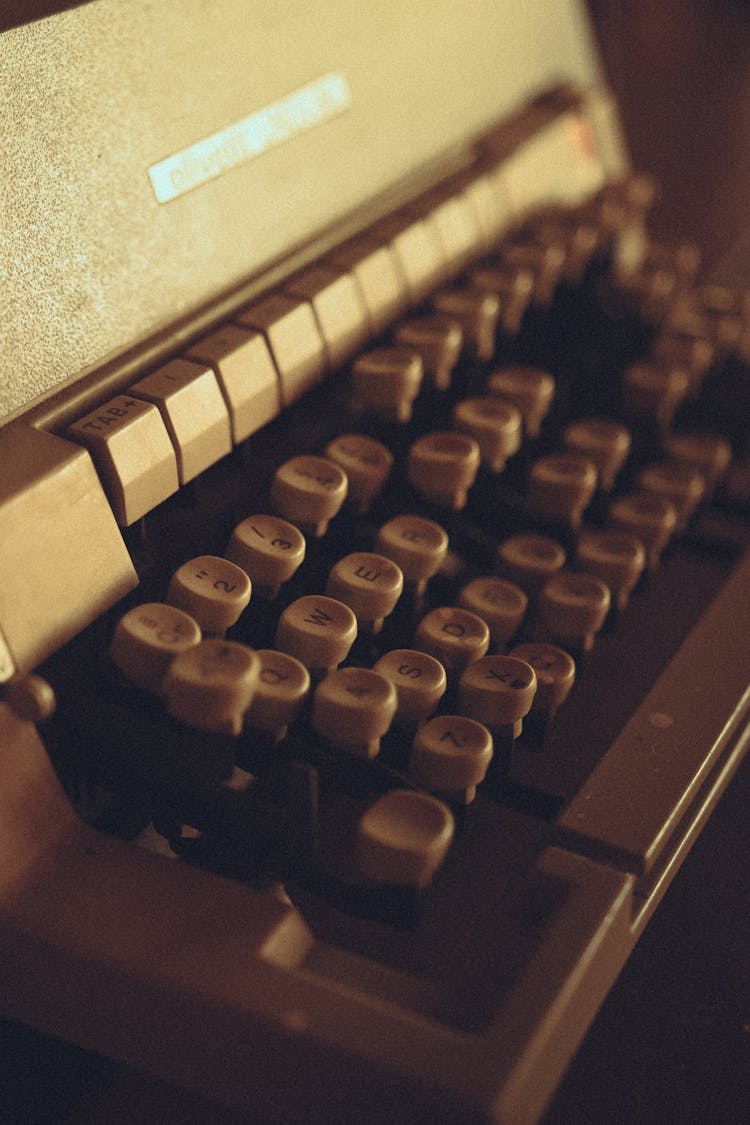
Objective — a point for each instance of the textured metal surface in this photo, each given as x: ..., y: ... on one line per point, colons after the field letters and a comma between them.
x: 96, y: 95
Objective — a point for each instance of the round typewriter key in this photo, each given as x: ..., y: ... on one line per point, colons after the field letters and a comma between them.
x: 146, y: 640
x: 561, y: 487
x: 654, y: 391
x: 477, y: 313
x: 677, y: 482
x: 419, y: 680
x: 366, y: 463
x: 283, y: 684
x: 649, y: 517
x: 439, y: 340
x: 309, y: 491
x: 268, y: 549
x: 454, y: 636
x: 212, y: 590
x: 546, y: 263
x: 353, y: 708
x: 494, y: 424
x: 387, y: 380
x: 442, y: 466
x: 497, y: 691
x: 530, y: 560
x: 403, y: 838
x: 500, y: 604
x: 211, y: 685
x: 318, y: 631
x: 418, y: 546
x: 555, y: 674
x: 708, y: 453
x: 616, y: 557
x: 451, y: 755
x: 513, y: 284
x: 528, y: 389
x: 369, y: 584
x: 573, y: 608
x: 603, y: 442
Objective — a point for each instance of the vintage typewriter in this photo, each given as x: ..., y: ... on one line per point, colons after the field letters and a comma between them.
x: 373, y: 614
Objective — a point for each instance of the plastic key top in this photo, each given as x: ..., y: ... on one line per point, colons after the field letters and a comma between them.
x: 651, y: 518
x: 146, y: 640
x: 318, y: 631
x: 477, y: 313
x: 353, y: 708
x: 573, y: 608
x: 496, y: 426
x: 561, y: 487
x: 500, y: 604
x: 268, y: 549
x: 654, y: 391
x: 710, y: 454
x: 283, y: 684
x: 678, y: 482
x: 555, y: 674
x: 603, y: 442
x: 528, y: 389
x: 211, y: 685
x: 309, y: 491
x: 367, y: 464
x: 291, y: 330
x: 417, y: 545
x: 530, y: 560
x: 194, y: 412
x: 443, y: 466
x: 369, y: 584
x: 419, y: 680
x: 246, y: 374
x: 497, y: 691
x: 212, y: 590
x: 451, y: 755
x: 439, y: 340
x: 454, y: 636
x: 614, y: 556
x: 387, y: 380
x: 403, y: 839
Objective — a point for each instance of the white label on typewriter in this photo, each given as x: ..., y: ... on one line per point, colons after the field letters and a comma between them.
x: 270, y: 126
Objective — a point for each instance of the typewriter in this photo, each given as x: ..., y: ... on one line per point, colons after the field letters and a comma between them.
x: 373, y: 509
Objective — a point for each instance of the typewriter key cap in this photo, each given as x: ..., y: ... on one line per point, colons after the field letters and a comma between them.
x: 529, y: 560
x: 146, y: 640
x: 451, y: 755
x: 417, y: 545
x: 438, y: 340
x: 454, y: 636
x: 387, y: 380
x: 555, y: 674
x: 513, y: 285
x: 573, y: 608
x: 653, y: 391
x: 529, y: 389
x: 603, y: 442
x: 561, y: 487
x: 618, y: 558
x: 211, y: 685
x: 403, y: 839
x: 499, y: 603
x: 678, y: 482
x: 338, y: 306
x: 318, y: 631
x: 309, y: 491
x: 651, y: 518
x: 246, y: 374
x: 710, y: 454
x: 212, y: 590
x: 442, y: 466
x: 546, y: 263
x: 369, y: 584
x: 367, y: 464
x: 268, y: 549
x: 494, y: 424
x: 282, y: 686
x: 293, y: 336
x: 194, y: 412
x: 353, y: 709
x: 419, y: 680
x: 497, y: 691
x: 477, y: 313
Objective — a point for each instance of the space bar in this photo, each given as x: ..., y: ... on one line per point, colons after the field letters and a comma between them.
x: 636, y: 799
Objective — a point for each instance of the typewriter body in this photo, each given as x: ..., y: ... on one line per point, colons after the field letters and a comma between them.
x: 378, y: 294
